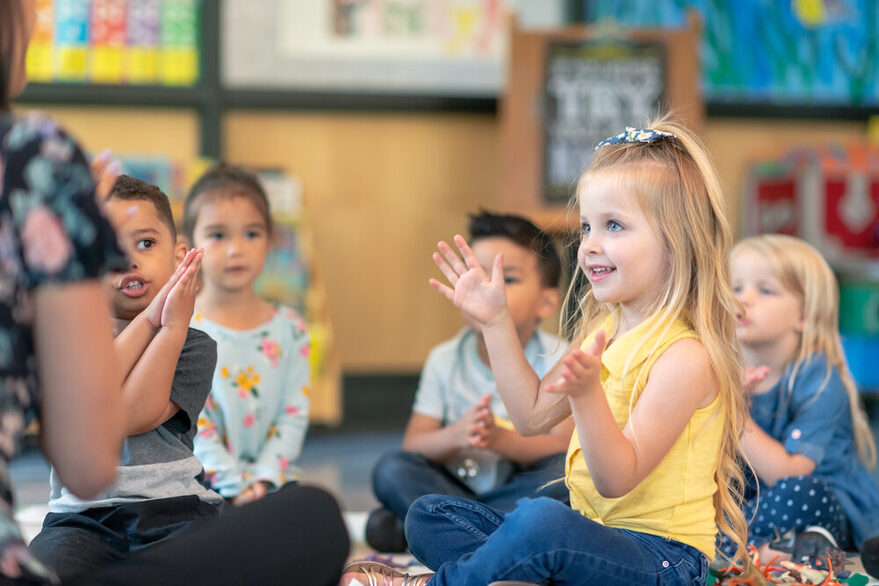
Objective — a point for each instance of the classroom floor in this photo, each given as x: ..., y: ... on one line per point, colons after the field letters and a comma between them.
x: 340, y: 462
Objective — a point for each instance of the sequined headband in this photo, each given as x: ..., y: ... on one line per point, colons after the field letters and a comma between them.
x: 635, y: 135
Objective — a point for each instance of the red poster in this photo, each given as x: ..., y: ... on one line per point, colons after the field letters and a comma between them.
x: 851, y: 211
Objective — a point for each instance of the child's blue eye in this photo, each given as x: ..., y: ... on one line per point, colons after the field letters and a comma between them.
x: 766, y: 291
x: 145, y: 243
x: 584, y: 227
x: 736, y: 289
x: 510, y: 280
x: 614, y: 226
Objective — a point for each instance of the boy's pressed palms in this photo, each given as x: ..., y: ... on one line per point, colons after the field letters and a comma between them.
x: 180, y: 302
x: 154, y: 311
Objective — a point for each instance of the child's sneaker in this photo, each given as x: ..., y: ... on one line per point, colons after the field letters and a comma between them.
x: 814, y: 542
x: 870, y: 556
x: 384, y: 532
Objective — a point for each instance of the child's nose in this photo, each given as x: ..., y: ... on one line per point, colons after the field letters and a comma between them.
x: 590, y: 243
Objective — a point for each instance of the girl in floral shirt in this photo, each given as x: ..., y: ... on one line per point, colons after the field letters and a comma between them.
x: 253, y: 425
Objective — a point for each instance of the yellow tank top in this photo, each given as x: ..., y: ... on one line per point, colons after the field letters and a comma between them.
x: 676, y: 499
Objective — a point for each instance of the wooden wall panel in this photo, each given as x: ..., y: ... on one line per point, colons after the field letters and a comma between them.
x: 170, y: 132
x: 380, y: 190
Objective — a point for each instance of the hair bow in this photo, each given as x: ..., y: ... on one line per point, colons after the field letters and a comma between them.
x: 645, y: 135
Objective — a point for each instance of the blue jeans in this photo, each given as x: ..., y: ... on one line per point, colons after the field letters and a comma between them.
x: 399, y: 478
x: 542, y: 541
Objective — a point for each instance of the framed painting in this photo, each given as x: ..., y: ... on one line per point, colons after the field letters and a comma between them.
x: 416, y: 47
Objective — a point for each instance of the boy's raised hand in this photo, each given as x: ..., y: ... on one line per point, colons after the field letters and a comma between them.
x: 180, y: 302
x: 153, y: 312
x: 580, y: 370
x: 480, y: 297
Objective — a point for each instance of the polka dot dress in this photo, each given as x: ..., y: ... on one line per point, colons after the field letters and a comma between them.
x: 794, y: 503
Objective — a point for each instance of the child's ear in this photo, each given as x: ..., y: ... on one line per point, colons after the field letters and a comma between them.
x: 801, y: 323
x: 550, y: 299
x: 180, y: 249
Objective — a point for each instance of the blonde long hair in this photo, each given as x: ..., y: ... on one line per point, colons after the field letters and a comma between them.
x: 802, y: 270
x: 679, y: 191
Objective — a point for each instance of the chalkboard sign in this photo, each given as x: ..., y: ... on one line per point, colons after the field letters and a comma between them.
x: 570, y: 87
x: 591, y: 90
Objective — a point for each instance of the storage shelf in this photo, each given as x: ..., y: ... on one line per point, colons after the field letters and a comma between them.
x: 116, y: 95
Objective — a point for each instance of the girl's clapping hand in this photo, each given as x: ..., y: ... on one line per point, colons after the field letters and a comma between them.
x: 753, y: 376
x: 580, y: 370
x: 480, y: 297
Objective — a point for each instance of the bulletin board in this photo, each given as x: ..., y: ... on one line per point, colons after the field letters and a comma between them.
x: 426, y: 47
x: 568, y: 88
x: 794, y: 54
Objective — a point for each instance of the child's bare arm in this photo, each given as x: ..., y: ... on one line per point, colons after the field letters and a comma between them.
x: 426, y: 436
x: 768, y: 456
x: 81, y: 413
x: 770, y: 459
x: 680, y: 382
x: 147, y: 389
x: 482, y: 298
x: 516, y: 447
x: 131, y: 342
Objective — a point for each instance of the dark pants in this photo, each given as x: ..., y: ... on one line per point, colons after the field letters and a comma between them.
x: 76, y: 544
x: 294, y: 536
x: 399, y: 478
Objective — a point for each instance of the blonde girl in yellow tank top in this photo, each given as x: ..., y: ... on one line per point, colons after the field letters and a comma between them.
x: 652, y: 378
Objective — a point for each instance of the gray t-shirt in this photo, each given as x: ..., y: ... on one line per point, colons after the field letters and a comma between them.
x: 454, y: 378
x: 159, y: 463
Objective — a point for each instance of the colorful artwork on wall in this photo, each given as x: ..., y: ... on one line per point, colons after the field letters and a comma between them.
x: 434, y: 47
x: 794, y: 52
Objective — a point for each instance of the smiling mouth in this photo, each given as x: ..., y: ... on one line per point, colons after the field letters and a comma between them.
x: 598, y: 273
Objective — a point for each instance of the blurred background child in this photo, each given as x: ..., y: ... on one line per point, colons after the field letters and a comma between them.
x: 808, y: 439
x: 459, y: 441
x: 254, y: 422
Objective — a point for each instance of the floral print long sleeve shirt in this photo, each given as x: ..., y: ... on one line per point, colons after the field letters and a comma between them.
x: 51, y: 232
x: 254, y: 422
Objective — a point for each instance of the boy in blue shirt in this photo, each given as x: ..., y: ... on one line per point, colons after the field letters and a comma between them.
x: 458, y: 440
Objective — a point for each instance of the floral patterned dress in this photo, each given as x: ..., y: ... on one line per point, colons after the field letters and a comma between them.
x: 255, y: 419
x: 51, y: 231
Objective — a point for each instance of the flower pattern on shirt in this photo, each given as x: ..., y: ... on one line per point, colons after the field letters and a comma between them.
x: 253, y: 426
x: 51, y: 231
